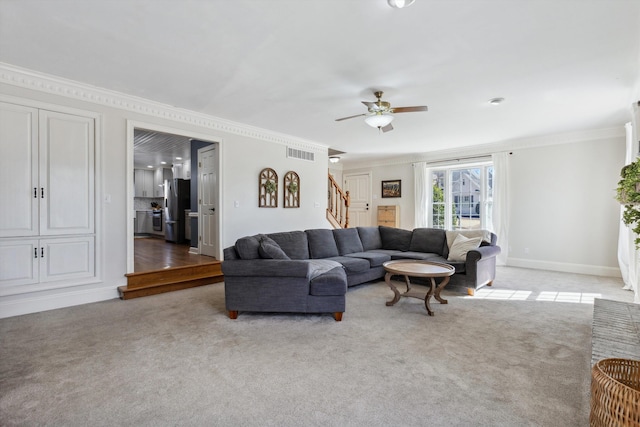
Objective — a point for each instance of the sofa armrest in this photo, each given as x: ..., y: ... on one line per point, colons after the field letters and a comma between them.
x: 266, y: 268
x: 482, y: 252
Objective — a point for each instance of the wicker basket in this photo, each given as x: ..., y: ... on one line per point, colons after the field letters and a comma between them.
x: 615, y: 393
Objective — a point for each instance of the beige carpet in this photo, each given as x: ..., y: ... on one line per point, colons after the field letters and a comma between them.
x: 517, y: 356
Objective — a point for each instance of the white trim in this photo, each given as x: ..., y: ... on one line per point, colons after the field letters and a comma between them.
x: 38, y: 303
x: 592, y: 270
x: 17, y: 76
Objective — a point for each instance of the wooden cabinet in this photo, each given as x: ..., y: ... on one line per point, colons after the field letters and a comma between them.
x: 47, y: 231
x: 389, y: 215
x: 143, y: 181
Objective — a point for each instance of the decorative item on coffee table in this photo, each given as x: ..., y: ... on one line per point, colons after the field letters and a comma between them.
x: 268, y: 188
x: 291, y: 190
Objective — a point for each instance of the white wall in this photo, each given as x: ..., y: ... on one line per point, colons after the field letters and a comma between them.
x: 244, y: 150
x: 563, y: 212
x: 561, y: 201
x: 241, y: 185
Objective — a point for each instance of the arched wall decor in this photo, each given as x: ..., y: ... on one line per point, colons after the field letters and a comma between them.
x: 291, y: 190
x: 268, y: 188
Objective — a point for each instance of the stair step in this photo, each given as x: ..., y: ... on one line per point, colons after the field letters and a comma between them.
x: 170, y: 279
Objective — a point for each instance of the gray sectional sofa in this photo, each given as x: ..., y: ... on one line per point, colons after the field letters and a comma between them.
x: 309, y: 271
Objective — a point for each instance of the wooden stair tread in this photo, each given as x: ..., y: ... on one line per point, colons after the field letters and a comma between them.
x: 154, y: 282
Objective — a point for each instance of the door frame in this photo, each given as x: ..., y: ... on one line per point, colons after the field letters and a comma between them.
x: 131, y: 126
x: 369, y: 190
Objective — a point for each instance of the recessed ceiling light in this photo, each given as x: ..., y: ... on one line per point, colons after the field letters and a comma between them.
x: 149, y: 166
x: 178, y: 158
x: 399, y: 4
x: 163, y: 163
x: 496, y: 101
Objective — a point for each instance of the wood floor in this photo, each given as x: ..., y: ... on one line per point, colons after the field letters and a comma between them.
x: 160, y: 266
x: 152, y: 253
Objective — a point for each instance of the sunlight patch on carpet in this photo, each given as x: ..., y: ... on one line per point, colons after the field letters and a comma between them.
x: 515, y: 295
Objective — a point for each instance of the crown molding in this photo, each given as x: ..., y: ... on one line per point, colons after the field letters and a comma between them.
x: 604, y: 134
x: 34, y: 80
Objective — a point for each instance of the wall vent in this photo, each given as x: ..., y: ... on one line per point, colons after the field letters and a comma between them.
x: 300, y: 154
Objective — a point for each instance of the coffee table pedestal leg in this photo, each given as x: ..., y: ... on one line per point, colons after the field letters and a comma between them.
x: 396, y: 296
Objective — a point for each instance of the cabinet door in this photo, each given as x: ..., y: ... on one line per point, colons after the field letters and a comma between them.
x: 149, y: 183
x: 19, y: 188
x: 67, y: 258
x: 66, y: 174
x: 18, y: 263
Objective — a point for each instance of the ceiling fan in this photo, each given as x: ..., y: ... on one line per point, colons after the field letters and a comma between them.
x: 381, y: 113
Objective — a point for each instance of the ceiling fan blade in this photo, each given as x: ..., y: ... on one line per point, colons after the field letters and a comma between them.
x: 350, y: 117
x: 408, y: 109
x: 386, y: 128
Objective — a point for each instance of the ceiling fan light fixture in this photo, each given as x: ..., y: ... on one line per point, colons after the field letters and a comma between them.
x: 378, y: 120
x: 399, y: 4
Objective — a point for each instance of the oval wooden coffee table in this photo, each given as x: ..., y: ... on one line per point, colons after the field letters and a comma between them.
x: 415, y: 268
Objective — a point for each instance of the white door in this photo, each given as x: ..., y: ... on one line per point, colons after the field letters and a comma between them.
x: 359, y: 188
x: 207, y: 201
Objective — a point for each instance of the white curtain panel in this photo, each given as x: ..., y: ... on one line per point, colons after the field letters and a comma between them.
x: 421, y: 194
x: 627, y: 252
x: 500, y: 221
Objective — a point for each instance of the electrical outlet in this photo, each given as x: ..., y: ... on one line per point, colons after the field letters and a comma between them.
x: 236, y: 203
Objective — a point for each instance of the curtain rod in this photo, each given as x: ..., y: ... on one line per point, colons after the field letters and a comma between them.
x: 457, y: 159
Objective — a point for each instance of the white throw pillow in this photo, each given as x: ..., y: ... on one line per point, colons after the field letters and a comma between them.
x: 462, y: 245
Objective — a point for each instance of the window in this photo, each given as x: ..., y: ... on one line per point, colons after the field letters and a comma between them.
x: 462, y: 197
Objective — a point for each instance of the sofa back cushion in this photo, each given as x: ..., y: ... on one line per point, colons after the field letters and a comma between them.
x: 269, y: 249
x: 293, y: 243
x: 347, y: 240
x: 321, y: 243
x: 247, y: 247
x: 370, y: 238
x: 428, y: 240
x: 395, y: 238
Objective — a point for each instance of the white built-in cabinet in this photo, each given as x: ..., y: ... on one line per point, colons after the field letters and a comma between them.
x: 144, y: 183
x: 47, y: 188
x: 161, y: 174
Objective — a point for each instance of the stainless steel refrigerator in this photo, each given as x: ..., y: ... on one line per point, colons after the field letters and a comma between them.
x: 176, y: 200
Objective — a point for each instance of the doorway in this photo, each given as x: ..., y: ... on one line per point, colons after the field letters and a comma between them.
x: 174, y: 150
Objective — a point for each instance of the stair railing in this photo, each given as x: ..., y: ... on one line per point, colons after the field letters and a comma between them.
x: 338, y: 205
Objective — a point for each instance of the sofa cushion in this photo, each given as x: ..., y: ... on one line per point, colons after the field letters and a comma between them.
x: 332, y: 282
x: 461, y: 245
x: 375, y: 259
x: 428, y: 240
x: 293, y: 243
x: 269, y: 249
x: 352, y: 265
x: 247, y: 247
x: 321, y: 243
x: 395, y: 238
x: 370, y: 238
x: 414, y: 255
x: 347, y: 240
x: 389, y: 252
x: 316, y: 267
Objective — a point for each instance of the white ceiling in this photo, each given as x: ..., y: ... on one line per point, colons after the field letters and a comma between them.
x: 294, y: 66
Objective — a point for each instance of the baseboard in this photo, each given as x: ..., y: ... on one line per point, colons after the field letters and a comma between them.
x: 33, y: 303
x: 592, y: 270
